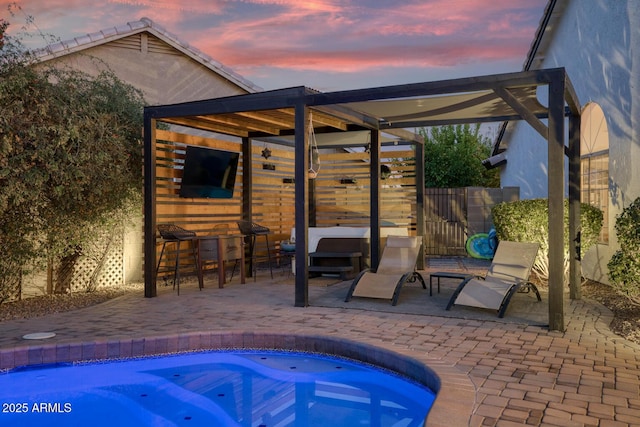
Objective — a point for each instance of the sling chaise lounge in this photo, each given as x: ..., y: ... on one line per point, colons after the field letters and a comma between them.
x: 397, y: 266
x: 509, y: 273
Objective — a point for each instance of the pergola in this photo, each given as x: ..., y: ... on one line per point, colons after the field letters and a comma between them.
x: 393, y: 110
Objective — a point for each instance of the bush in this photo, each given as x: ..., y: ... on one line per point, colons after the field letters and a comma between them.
x: 70, y: 158
x: 528, y: 221
x: 624, y: 266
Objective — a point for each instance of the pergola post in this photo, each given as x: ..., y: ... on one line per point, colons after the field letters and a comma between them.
x: 302, y: 203
x: 247, y: 191
x: 420, y: 216
x: 247, y: 180
x: 374, y: 199
x: 149, y: 153
x: 575, y: 276
x: 556, y: 187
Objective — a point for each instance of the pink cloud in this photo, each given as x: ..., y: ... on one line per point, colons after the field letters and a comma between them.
x: 353, y: 38
x: 397, y: 57
x: 324, y: 36
x: 198, y: 6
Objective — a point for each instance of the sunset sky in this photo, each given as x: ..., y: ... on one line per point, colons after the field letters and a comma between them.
x: 324, y: 44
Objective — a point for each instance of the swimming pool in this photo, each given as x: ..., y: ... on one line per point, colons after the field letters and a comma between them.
x: 258, y: 388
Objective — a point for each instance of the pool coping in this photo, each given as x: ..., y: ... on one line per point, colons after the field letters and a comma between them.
x: 454, y: 388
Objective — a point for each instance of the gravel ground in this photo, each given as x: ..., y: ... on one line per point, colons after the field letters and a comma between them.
x: 626, y: 321
x: 47, y: 304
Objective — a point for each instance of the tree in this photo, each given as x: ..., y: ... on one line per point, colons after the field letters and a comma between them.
x: 70, y: 157
x: 3, y: 27
x: 453, y: 157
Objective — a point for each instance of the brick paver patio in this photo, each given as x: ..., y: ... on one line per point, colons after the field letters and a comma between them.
x: 493, y: 372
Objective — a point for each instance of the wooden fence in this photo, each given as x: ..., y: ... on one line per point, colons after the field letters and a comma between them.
x: 341, y: 190
x: 454, y: 214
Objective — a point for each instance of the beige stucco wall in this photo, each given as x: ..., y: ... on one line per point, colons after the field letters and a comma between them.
x: 163, y: 73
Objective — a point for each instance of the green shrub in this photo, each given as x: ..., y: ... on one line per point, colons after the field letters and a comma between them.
x: 624, y: 266
x: 528, y: 221
x: 70, y: 157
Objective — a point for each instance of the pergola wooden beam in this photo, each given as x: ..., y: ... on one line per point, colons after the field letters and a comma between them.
x: 441, y: 87
x: 523, y: 111
x: 278, y: 122
x: 207, y: 125
x: 239, y: 122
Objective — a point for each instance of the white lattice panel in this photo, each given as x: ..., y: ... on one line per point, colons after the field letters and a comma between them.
x: 112, y: 273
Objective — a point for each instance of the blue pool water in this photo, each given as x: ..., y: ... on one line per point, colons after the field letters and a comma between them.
x: 239, y: 388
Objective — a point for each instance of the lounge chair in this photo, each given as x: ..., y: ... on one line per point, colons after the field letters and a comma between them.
x: 509, y: 273
x: 397, y: 266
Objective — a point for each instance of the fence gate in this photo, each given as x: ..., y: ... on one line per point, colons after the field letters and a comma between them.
x: 445, y: 217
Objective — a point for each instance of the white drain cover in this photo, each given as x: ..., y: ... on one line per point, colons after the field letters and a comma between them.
x: 39, y: 336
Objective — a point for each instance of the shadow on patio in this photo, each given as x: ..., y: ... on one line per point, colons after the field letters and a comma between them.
x: 331, y: 291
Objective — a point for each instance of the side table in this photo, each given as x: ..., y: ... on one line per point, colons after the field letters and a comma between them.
x: 445, y: 274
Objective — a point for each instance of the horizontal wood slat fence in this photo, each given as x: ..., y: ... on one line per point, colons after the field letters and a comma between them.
x: 341, y: 192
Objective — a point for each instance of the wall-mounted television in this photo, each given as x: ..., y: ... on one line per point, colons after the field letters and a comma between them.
x: 209, y: 173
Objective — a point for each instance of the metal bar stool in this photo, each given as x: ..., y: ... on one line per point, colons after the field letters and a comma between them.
x: 171, y: 233
x: 253, y: 230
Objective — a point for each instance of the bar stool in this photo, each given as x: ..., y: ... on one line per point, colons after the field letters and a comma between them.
x: 253, y: 230
x: 171, y: 233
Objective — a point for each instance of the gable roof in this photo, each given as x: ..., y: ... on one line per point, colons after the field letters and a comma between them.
x: 553, y: 12
x: 107, y: 35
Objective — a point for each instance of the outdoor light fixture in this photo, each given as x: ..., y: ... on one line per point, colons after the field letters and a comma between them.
x: 494, y: 161
x: 385, y: 171
x: 266, y: 153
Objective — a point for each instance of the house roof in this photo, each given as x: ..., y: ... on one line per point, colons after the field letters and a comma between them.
x: 553, y: 12
x: 107, y: 35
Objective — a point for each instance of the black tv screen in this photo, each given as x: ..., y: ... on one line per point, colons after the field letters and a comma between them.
x: 209, y: 173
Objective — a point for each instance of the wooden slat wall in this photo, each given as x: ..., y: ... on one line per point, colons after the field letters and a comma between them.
x: 204, y: 216
x: 342, y: 204
x: 346, y: 204
x: 399, y: 190
x: 273, y: 200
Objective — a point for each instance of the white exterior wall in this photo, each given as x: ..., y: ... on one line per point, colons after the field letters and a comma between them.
x: 598, y: 42
x: 526, y: 165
